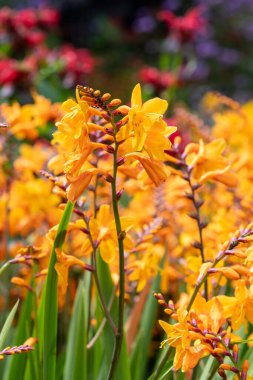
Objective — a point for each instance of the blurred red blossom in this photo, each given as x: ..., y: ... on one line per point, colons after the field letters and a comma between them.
x: 184, y: 27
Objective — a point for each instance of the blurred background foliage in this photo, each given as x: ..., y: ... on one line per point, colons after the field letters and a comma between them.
x: 178, y: 49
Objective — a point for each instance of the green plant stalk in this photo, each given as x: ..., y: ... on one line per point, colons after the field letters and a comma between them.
x: 99, y: 288
x: 92, y: 264
x: 120, y: 333
x: 50, y: 312
x: 162, y: 363
x: 197, y: 208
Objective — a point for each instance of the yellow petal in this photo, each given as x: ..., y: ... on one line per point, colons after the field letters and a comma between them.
x: 136, y: 96
x: 155, y: 105
x: 107, y: 250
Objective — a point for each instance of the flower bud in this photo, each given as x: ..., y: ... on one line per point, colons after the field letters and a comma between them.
x: 105, y: 97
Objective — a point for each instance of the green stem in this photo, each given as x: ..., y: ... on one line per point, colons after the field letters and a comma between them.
x: 101, y: 327
x: 91, y: 263
x: 162, y: 363
x: 119, y: 336
x: 197, y: 208
x: 50, y: 311
x: 99, y: 289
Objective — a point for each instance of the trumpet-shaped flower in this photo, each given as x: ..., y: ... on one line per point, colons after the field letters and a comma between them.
x: 208, y: 163
x: 64, y: 262
x: 146, y: 127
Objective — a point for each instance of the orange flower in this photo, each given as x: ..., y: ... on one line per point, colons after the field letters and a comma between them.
x: 64, y: 262
x: 103, y: 231
x: 146, y: 127
x: 208, y: 163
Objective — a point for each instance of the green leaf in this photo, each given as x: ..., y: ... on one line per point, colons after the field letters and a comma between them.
x: 209, y: 365
x: 50, y: 310
x: 139, y: 357
x: 17, y: 363
x: 7, y: 325
x: 76, y: 356
x: 123, y: 368
x: 166, y: 370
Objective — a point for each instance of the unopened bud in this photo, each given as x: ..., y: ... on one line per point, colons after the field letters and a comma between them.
x: 203, y: 224
x: 123, y: 110
x: 245, y: 368
x: 200, y: 203
x: 105, y: 97
x: 105, y: 115
x: 226, y: 366
x: 222, y: 373
x: 109, y: 131
x: 221, y: 351
x: 235, y: 352
x: 196, y: 186
x: 85, y: 231
x: 197, y: 245
x: 193, y: 216
x: 109, y: 178
x: 121, y: 161
x: 188, y: 195
x: 114, y: 103
x: 122, y: 235
x: 119, y: 194
x: 110, y: 149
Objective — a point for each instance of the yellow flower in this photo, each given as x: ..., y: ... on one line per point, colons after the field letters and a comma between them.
x: 179, y: 336
x: 240, y: 307
x: 25, y: 120
x: 78, y: 184
x: 208, y: 163
x: 155, y: 169
x: 103, y: 231
x: 146, y: 266
x: 146, y: 127
x: 64, y: 262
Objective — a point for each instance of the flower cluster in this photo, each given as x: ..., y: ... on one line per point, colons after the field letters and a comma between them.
x: 127, y: 205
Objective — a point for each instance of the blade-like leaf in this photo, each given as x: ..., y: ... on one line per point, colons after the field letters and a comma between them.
x: 7, y: 325
x: 16, y: 368
x: 123, y: 368
x: 76, y: 355
x: 139, y: 356
x: 166, y: 370
x: 50, y: 310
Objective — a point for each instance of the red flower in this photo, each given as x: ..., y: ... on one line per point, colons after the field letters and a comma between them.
x: 187, y: 26
x: 49, y: 17
x: 34, y: 38
x: 26, y: 18
x: 159, y: 79
x: 8, y: 71
x: 5, y: 16
x: 77, y: 61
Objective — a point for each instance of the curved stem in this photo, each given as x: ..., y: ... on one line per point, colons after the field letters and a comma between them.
x: 91, y: 263
x: 99, y: 289
x: 100, y: 329
x: 120, y: 234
